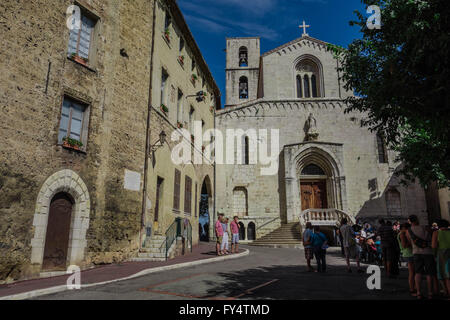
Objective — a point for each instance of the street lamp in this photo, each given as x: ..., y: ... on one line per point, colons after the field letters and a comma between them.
x: 158, y: 144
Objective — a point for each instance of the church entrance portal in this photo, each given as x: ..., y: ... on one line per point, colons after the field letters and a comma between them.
x: 313, y: 194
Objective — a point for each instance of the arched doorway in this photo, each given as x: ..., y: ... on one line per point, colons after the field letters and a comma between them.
x: 58, y: 231
x: 206, y: 204
x: 251, y: 231
x: 241, y: 231
x: 63, y: 192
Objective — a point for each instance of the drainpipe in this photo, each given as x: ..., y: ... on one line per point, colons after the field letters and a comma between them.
x: 148, y: 133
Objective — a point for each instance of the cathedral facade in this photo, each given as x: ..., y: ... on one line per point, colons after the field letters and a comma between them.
x: 329, y: 166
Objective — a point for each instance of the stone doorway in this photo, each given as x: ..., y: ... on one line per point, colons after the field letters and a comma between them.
x: 313, y: 194
x: 58, y: 231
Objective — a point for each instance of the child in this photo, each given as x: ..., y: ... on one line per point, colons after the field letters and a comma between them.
x: 319, y: 243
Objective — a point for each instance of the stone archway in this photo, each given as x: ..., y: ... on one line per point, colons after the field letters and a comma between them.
x: 66, y: 182
x: 206, y: 208
x: 328, y: 157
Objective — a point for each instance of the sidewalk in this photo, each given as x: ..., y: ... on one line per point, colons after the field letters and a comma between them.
x: 201, y: 254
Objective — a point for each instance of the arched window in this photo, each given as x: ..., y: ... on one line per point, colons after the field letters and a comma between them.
x: 246, y: 151
x: 382, y: 150
x: 306, y: 86
x: 243, y: 88
x: 314, y: 86
x: 312, y: 170
x: 308, y: 79
x: 299, y: 86
x: 243, y: 57
x: 393, y: 203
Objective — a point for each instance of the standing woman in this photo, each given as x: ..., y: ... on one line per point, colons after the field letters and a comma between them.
x: 407, y: 256
x: 225, y: 242
x: 441, y: 246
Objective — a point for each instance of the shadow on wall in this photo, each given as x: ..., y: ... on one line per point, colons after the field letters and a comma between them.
x: 389, y: 204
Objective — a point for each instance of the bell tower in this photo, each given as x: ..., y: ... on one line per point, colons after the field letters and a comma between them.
x: 242, y: 70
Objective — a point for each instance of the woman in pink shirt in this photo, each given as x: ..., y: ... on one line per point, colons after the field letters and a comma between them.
x: 219, y: 234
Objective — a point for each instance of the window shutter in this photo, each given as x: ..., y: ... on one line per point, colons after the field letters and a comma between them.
x: 176, y: 193
x: 188, y: 196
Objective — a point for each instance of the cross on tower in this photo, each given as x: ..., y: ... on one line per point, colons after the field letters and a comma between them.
x: 304, y: 26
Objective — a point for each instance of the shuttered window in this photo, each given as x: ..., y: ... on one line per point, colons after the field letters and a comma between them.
x: 176, y: 192
x: 188, y: 196
x: 71, y: 124
x: 80, y: 39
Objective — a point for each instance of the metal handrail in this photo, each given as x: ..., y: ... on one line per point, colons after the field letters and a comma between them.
x: 172, y: 233
x: 266, y: 223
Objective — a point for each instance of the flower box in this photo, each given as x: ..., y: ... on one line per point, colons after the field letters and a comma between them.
x: 167, y: 35
x: 70, y: 143
x: 79, y: 59
x: 164, y: 109
x: 179, y: 125
x: 181, y: 60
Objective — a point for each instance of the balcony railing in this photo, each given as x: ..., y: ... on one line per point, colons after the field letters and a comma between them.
x: 324, y: 217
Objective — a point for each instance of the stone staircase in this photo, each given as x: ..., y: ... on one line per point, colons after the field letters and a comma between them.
x: 153, y: 250
x: 287, y: 236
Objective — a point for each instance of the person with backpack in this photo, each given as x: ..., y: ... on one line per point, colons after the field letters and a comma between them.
x: 319, y: 244
x: 424, y: 263
x: 441, y: 245
x: 309, y: 254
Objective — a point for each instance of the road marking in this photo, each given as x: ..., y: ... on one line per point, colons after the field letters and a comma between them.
x: 169, y: 293
x: 171, y: 281
x: 250, y: 291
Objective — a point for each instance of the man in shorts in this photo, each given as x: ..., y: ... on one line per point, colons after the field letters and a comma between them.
x: 219, y: 233
x: 235, y: 235
x: 349, y: 243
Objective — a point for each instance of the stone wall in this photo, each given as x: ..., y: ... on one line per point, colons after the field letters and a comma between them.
x: 115, y: 88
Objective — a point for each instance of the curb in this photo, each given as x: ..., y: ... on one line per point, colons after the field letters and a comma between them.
x: 61, y: 288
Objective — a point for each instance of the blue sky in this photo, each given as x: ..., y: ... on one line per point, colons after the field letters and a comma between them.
x: 275, y: 21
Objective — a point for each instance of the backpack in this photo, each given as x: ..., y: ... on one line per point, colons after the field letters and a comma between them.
x: 419, y: 242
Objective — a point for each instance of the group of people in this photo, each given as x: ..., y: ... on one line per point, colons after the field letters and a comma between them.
x: 223, y: 229
x: 426, y: 250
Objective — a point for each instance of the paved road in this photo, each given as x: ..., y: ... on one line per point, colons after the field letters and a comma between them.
x: 264, y: 274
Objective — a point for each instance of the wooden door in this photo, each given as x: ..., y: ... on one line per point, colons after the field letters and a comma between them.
x: 58, y: 230
x: 313, y: 195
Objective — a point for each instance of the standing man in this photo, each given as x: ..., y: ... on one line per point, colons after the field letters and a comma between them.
x: 219, y: 233
x: 424, y: 263
x: 386, y: 233
x: 235, y: 235
x: 349, y: 243
x: 307, y: 243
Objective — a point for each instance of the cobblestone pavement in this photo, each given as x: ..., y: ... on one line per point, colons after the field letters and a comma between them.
x: 265, y: 274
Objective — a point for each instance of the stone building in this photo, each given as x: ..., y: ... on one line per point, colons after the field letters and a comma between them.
x: 329, y: 166
x: 80, y: 110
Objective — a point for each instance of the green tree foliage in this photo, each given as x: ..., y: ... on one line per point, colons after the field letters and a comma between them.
x: 400, y: 75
